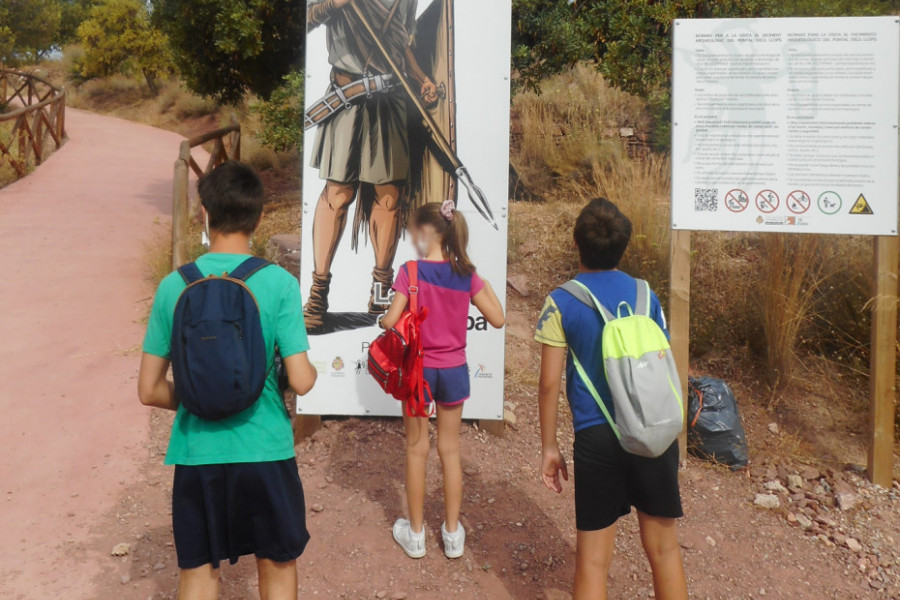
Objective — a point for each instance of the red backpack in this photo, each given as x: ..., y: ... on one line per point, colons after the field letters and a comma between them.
x: 396, y: 356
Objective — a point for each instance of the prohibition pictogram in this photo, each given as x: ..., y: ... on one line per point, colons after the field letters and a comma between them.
x: 798, y: 202
x: 767, y: 201
x: 737, y: 201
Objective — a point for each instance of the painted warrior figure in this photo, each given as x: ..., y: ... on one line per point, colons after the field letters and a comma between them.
x: 362, y: 146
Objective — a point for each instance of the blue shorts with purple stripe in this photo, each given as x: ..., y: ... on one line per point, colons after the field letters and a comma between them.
x: 449, y: 387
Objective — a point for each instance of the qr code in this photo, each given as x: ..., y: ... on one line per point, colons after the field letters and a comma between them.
x: 706, y: 199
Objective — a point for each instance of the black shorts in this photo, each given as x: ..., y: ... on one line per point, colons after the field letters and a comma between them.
x: 609, y: 481
x: 223, y: 512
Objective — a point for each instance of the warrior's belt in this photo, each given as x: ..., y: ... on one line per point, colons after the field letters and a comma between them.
x: 341, y: 97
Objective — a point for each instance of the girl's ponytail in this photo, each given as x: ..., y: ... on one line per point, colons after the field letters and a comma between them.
x: 456, y: 240
x: 451, y: 225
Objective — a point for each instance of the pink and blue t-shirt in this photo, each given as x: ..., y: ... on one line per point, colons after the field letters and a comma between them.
x: 447, y: 294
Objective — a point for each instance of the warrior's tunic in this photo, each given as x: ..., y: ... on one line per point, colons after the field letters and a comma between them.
x: 367, y: 142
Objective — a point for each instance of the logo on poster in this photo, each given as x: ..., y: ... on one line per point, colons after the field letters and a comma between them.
x: 337, y: 367
x: 482, y: 373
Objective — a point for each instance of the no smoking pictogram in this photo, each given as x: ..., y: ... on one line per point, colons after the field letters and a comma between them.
x: 798, y: 202
x: 767, y: 201
x: 737, y: 201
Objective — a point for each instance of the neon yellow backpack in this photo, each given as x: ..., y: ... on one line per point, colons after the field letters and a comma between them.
x: 640, y: 369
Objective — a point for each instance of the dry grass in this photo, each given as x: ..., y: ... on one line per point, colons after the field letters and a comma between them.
x: 571, y: 126
x: 791, y: 272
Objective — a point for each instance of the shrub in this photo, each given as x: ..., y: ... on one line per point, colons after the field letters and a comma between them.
x: 282, y: 116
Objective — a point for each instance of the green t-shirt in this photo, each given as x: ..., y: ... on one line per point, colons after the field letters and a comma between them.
x: 262, y: 433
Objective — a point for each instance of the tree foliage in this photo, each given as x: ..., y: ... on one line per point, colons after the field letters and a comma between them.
x: 28, y: 29
x: 282, y: 115
x: 117, y: 36
x: 226, y: 48
x: 72, y: 14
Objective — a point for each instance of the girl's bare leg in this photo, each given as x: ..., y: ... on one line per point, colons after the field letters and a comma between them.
x: 417, y: 446
x: 449, y: 419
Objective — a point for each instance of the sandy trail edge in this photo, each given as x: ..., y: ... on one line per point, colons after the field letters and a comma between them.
x: 72, y: 302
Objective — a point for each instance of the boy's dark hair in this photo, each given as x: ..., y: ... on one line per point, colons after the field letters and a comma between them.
x: 602, y: 234
x: 233, y: 197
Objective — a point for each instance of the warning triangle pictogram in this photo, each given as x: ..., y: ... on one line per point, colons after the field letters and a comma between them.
x: 861, y: 207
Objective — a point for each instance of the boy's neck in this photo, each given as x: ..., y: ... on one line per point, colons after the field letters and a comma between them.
x: 229, y: 243
x: 583, y: 269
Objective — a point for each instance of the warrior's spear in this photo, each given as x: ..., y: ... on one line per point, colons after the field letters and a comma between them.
x: 475, y: 194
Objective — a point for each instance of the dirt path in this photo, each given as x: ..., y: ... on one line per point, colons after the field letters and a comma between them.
x: 72, y: 301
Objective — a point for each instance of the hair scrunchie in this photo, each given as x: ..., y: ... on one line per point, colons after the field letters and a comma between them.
x: 447, y: 209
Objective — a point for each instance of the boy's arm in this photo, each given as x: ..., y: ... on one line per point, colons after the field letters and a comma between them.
x: 154, y: 388
x: 488, y: 304
x: 301, y: 374
x: 553, y: 360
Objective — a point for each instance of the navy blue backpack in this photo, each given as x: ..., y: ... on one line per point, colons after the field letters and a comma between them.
x: 218, y: 351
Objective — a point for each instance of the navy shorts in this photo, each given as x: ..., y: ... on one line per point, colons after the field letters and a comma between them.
x: 223, y: 512
x: 449, y: 387
x: 609, y: 481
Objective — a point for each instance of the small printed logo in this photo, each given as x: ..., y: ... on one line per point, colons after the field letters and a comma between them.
x: 482, y: 373
x: 337, y: 367
x: 662, y: 355
x: 361, y: 366
x: 643, y: 364
x: 319, y: 366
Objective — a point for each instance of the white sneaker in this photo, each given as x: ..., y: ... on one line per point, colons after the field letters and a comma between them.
x: 412, y: 543
x: 454, y: 543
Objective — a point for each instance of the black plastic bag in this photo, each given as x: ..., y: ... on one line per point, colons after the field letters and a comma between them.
x: 715, y: 431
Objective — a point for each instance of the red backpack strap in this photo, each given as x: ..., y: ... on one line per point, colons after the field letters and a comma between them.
x: 412, y: 268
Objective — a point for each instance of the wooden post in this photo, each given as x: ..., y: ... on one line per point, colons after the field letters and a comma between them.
x: 497, y: 428
x: 680, y: 315
x: 180, y: 211
x: 305, y: 426
x: 883, y: 373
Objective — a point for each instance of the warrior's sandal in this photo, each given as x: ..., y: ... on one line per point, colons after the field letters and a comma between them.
x: 317, y: 303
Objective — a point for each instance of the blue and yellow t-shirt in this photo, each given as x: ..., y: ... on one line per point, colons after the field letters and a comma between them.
x: 262, y: 433
x: 567, y: 323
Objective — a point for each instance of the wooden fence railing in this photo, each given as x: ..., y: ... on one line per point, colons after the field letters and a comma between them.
x: 36, y: 111
x: 226, y: 145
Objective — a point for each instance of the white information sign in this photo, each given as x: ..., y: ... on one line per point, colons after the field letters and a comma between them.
x: 374, y: 146
x: 786, y: 125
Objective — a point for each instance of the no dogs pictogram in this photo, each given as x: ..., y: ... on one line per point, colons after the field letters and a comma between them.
x: 798, y: 202
x: 767, y: 201
x: 737, y: 201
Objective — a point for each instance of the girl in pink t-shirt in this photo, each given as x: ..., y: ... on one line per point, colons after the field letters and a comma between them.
x: 447, y: 284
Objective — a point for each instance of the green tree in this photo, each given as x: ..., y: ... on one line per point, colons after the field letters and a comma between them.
x: 546, y: 38
x: 7, y: 37
x: 118, y: 36
x: 29, y: 29
x: 227, y: 48
x: 72, y: 14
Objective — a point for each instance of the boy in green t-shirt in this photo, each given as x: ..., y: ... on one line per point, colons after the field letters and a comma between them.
x: 237, y: 490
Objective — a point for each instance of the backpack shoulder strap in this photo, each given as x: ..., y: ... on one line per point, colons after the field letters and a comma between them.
x: 584, y: 295
x: 642, y: 304
x: 190, y: 273
x: 412, y: 267
x: 249, y: 268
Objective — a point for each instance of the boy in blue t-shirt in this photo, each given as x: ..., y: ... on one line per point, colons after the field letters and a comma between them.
x: 608, y: 480
x: 236, y: 490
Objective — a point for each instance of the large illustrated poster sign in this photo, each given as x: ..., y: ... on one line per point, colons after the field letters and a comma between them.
x: 786, y: 125
x: 407, y: 102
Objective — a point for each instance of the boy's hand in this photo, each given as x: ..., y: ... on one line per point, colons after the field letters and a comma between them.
x: 552, y: 465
